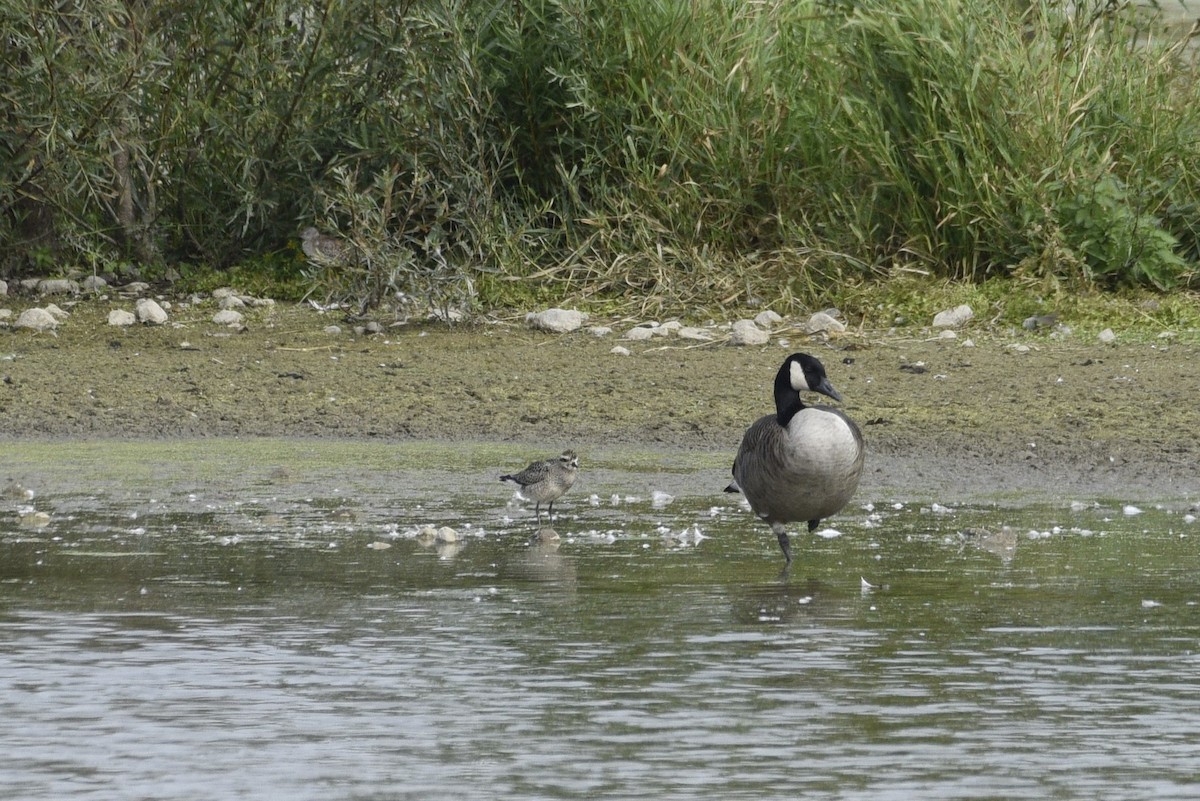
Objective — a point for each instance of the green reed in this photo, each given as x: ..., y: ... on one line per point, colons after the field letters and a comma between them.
x: 653, y: 152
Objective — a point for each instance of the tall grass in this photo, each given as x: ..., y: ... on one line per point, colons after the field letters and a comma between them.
x: 706, y: 152
x: 961, y: 138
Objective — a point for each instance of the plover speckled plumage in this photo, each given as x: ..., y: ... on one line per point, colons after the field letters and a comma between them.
x: 546, y: 481
x: 323, y: 249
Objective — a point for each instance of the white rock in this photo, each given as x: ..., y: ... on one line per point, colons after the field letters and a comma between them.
x: 556, y: 321
x: 767, y: 319
x: 694, y: 334
x: 223, y: 292
x: 745, y: 332
x: 3, y: 288
x: 5, y: 314
x: 948, y: 334
x: 599, y: 331
x: 671, y: 325
x: 58, y: 286
x: 261, y: 301
x: 639, y: 333
x: 149, y: 312
x: 228, y: 317
x: 1107, y: 336
x: 135, y: 288
x: 231, y: 302
x: 1019, y: 348
x: 30, y: 284
x: 448, y: 315
x: 823, y: 321
x: 1130, y: 510
x: 94, y: 283
x: 446, y: 534
x: 620, y: 351
x: 654, y: 329
x: 968, y: 343
x: 660, y: 499
x: 953, y: 318
x: 58, y: 313
x: 333, y: 330
x: 33, y: 519
x: 36, y: 319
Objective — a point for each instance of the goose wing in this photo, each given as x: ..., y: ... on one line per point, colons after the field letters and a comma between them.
x: 760, y: 440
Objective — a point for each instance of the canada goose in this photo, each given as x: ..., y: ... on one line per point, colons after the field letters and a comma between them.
x: 803, y: 462
x: 547, y: 480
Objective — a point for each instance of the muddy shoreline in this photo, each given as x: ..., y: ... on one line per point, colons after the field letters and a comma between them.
x: 1064, y: 417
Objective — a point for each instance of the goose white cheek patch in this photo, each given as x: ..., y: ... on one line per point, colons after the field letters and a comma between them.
x: 799, y: 382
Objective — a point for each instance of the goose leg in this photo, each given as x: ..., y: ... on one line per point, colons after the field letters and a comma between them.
x: 784, y: 543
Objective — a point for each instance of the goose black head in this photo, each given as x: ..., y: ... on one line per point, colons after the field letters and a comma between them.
x: 799, y: 373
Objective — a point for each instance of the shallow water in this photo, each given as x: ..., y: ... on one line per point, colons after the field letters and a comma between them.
x: 222, y: 619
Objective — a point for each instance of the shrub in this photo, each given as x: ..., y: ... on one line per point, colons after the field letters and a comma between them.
x: 678, y: 153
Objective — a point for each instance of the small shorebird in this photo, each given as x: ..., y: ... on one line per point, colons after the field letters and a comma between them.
x: 323, y: 249
x: 546, y: 481
x: 802, y: 463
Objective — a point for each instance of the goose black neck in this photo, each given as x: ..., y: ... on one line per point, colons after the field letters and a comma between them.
x: 787, y: 399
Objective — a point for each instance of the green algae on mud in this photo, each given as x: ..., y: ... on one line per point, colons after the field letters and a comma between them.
x: 1062, y: 414
x: 258, y: 461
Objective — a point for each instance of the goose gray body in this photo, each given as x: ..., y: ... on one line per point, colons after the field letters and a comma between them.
x: 546, y: 481
x: 803, y: 463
